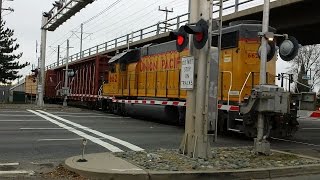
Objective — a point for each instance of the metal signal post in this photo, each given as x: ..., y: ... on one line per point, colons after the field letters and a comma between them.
x: 41, y: 62
x: 197, y: 139
x: 261, y: 145
x: 66, y: 75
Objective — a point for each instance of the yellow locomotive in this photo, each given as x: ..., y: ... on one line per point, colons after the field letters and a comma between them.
x: 153, y: 73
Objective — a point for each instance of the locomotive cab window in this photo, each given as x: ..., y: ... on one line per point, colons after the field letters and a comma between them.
x: 112, y: 68
x: 229, y: 40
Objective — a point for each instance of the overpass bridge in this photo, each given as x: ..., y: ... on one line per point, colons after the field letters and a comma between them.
x: 295, y: 17
x: 299, y: 18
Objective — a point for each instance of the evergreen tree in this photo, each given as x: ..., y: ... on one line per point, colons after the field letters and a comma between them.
x: 8, y: 65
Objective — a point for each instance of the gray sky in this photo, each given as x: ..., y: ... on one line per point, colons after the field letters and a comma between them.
x: 126, y: 16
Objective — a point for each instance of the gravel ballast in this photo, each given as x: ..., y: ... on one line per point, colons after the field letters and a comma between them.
x: 223, y: 159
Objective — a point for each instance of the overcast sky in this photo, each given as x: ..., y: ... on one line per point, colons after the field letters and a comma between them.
x: 122, y: 18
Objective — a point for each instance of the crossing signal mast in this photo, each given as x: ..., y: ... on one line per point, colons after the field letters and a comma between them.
x: 200, y: 128
x: 202, y: 111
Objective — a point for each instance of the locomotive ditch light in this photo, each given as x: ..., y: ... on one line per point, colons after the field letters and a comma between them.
x: 200, y: 33
x: 181, y: 37
x: 289, y: 48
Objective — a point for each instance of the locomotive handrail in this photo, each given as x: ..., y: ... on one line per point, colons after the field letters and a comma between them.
x: 149, y: 31
x: 230, y: 85
x: 244, y: 84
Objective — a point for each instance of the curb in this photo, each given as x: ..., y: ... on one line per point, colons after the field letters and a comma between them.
x: 266, y: 173
x: 138, y: 173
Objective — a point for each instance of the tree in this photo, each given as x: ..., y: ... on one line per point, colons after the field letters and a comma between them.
x: 308, y: 59
x: 8, y: 65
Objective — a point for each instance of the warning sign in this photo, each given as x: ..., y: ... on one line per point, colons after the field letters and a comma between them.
x: 187, y: 73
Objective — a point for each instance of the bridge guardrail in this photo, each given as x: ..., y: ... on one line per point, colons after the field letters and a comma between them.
x: 153, y: 30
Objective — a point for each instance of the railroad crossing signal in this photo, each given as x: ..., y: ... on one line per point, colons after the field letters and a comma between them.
x: 181, y: 37
x: 289, y: 48
x: 271, y: 49
x: 34, y: 74
x: 199, y: 32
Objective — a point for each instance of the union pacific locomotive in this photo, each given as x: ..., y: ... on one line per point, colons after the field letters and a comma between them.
x: 151, y: 75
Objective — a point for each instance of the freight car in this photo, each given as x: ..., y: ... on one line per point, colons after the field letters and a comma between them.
x: 151, y: 75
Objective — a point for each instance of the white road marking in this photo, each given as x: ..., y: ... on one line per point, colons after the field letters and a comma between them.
x: 109, y: 117
x: 9, y: 164
x: 21, y: 120
x: 77, y: 113
x: 41, y: 128
x: 18, y: 115
x: 111, y: 138
x: 16, y: 172
x: 310, y: 128
x: 71, y: 139
x: 297, y: 142
x: 80, y: 133
x: 12, y: 111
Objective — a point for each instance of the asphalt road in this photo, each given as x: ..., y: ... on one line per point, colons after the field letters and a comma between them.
x: 34, y: 140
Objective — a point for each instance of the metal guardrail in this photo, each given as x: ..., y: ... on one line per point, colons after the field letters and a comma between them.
x: 153, y: 30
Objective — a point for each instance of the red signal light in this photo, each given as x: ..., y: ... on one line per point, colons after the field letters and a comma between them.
x: 199, y: 36
x: 180, y: 40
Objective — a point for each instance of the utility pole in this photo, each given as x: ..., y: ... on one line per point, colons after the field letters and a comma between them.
x: 8, y: 9
x: 66, y: 89
x: 1, y: 10
x: 261, y: 145
x: 166, y: 11
x: 81, y: 38
x: 197, y: 141
x: 58, y: 57
x: 41, y: 62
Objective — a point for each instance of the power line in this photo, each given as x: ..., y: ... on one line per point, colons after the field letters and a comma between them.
x: 103, y: 11
x: 166, y: 11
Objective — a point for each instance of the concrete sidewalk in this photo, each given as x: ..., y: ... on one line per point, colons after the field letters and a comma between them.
x: 107, y: 166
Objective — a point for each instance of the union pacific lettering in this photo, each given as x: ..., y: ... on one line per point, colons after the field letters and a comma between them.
x: 113, y: 77
x: 158, y: 62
